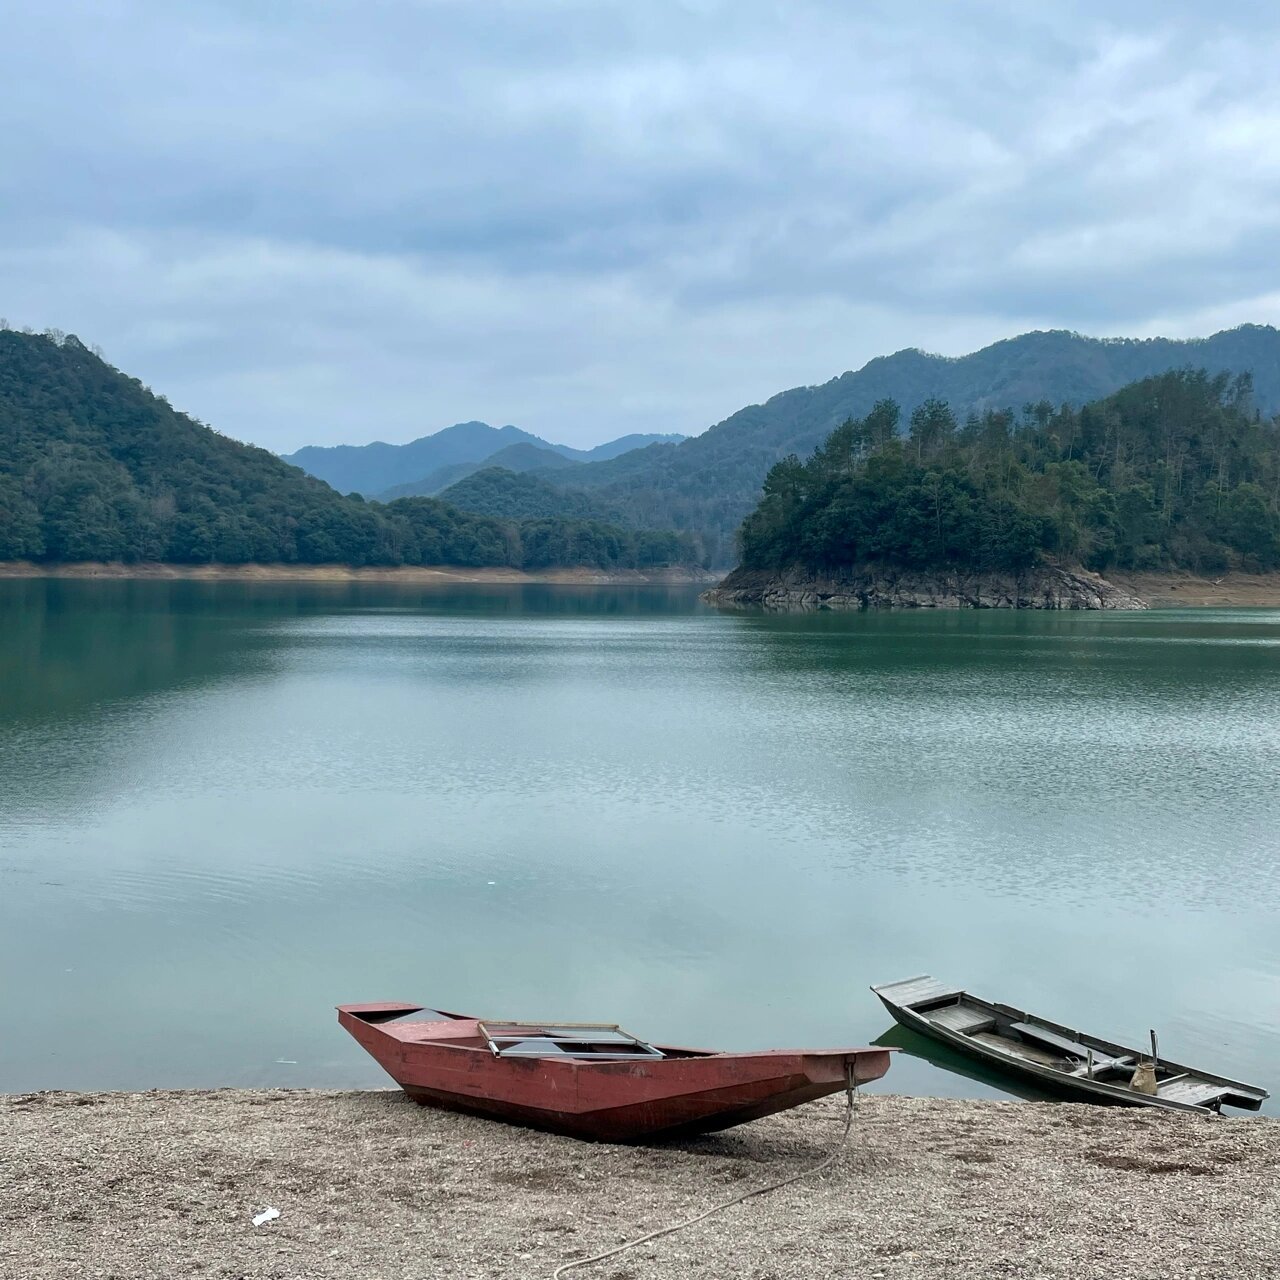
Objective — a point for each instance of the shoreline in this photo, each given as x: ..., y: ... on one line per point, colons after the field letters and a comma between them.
x: 1178, y: 588
x: 423, y: 575
x: 1049, y: 587
x: 165, y: 1184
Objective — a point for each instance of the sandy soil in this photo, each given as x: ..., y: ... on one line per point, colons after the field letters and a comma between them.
x: 143, y: 1186
x: 338, y: 573
x: 1173, y: 590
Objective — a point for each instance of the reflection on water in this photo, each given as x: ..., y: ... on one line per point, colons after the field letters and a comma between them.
x: 919, y: 1053
x: 227, y: 807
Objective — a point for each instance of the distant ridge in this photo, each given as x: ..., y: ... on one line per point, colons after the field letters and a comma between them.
x: 515, y: 457
x: 708, y: 483
x: 375, y: 468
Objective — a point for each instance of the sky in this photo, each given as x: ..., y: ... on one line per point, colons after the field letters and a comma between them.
x: 321, y: 221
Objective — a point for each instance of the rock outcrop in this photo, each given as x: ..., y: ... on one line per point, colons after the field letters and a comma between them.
x: 883, y: 587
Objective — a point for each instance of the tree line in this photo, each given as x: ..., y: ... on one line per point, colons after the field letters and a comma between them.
x: 1175, y: 471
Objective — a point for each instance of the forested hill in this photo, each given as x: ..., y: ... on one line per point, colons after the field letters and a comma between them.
x: 1176, y: 471
x: 495, y: 491
x: 710, y: 482
x: 93, y: 466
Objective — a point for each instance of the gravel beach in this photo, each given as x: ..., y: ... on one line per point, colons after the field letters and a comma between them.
x: 166, y: 1184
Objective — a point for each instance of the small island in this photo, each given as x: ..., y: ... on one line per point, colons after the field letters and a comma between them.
x: 1061, y: 508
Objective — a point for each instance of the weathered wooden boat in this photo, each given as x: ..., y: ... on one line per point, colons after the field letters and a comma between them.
x: 1064, y: 1062
x: 592, y: 1080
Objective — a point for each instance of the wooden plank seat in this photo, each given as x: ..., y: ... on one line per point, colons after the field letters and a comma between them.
x: 1069, y: 1048
x: 961, y: 1018
x: 1197, y: 1093
x: 1018, y: 1050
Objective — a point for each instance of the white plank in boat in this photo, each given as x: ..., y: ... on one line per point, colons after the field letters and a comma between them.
x: 1042, y: 1035
x: 913, y: 991
x: 1026, y: 1052
x: 1193, y: 1092
x: 961, y: 1018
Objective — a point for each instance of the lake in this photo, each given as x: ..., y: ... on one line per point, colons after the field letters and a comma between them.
x: 225, y: 808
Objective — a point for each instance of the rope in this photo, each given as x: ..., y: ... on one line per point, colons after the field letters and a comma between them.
x: 849, y: 1091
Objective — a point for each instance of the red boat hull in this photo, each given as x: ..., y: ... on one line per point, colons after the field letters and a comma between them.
x: 449, y: 1064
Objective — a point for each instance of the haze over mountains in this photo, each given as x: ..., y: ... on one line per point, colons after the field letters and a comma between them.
x: 516, y: 458
x: 417, y: 468
x: 94, y: 467
x: 708, y: 483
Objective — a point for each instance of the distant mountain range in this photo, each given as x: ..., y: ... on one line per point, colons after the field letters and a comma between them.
x: 94, y: 467
x: 708, y: 483
x: 427, y: 465
x: 516, y: 458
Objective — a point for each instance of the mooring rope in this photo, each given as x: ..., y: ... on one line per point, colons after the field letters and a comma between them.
x: 850, y: 1090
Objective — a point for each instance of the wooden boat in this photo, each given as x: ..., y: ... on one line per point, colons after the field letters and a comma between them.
x: 1064, y: 1062
x: 592, y: 1080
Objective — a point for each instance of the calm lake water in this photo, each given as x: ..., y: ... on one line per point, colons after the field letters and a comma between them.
x: 225, y: 808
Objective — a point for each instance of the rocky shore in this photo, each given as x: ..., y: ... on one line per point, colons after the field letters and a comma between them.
x: 166, y: 1185
x: 874, y: 587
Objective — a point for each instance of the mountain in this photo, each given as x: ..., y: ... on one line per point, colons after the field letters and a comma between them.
x: 1174, y: 472
x: 515, y: 457
x: 93, y: 466
x: 623, y: 444
x: 374, y: 468
x: 494, y: 491
x: 377, y: 468
x: 708, y: 483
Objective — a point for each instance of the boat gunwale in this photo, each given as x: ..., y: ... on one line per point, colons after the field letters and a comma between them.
x: 671, y: 1053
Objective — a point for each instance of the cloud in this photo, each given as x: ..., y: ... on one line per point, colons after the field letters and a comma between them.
x: 308, y: 223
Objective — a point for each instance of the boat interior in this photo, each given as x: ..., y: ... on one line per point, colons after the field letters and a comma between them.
x: 597, y: 1041
x: 571, y: 1039
x: 407, y: 1013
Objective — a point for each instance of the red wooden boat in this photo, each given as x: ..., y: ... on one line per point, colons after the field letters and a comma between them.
x: 592, y: 1080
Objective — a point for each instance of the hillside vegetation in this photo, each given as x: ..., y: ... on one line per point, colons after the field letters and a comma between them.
x: 709, y: 483
x: 93, y: 466
x: 508, y: 495
x: 1175, y: 471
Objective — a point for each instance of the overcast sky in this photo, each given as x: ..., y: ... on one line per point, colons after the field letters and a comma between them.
x: 322, y: 222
